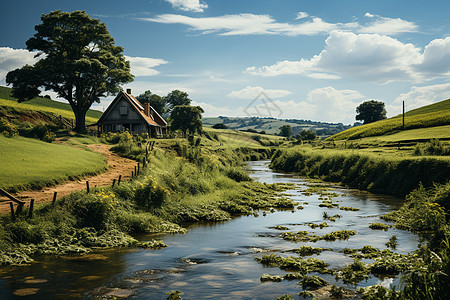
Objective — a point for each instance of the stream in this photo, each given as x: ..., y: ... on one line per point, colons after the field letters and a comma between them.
x: 215, y: 261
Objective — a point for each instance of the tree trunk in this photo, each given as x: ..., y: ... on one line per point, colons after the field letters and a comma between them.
x: 80, y: 121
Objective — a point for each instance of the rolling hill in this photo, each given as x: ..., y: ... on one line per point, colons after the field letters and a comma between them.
x: 435, y: 116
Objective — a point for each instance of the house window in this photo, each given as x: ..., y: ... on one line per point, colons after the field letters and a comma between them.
x: 123, y: 110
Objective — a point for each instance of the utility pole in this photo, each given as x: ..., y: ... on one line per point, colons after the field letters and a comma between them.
x: 403, y: 115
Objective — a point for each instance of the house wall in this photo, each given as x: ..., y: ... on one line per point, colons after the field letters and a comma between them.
x: 122, y: 116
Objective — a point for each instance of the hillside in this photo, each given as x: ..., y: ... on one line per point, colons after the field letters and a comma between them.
x: 44, y: 104
x: 431, y: 116
x: 272, y: 125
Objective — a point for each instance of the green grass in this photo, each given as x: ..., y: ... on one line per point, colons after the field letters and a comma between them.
x: 437, y: 114
x: 44, y: 105
x: 32, y: 163
x: 429, y: 133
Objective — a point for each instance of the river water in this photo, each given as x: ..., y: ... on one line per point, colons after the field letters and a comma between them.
x: 213, y: 261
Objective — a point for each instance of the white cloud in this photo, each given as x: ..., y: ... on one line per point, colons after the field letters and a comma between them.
x: 188, y: 5
x: 246, y: 24
x: 143, y: 66
x: 388, y: 26
x: 11, y: 59
x: 215, y: 111
x: 424, y: 95
x: 251, y: 92
x: 340, y: 104
x: 371, y: 57
x: 435, y: 60
x: 301, y: 15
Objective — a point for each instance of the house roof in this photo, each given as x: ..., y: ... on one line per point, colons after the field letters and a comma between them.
x: 153, y: 120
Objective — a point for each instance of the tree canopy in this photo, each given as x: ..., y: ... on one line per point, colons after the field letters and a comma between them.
x: 371, y: 111
x: 307, y: 135
x: 286, y: 130
x: 177, y: 98
x: 156, y: 101
x: 187, y: 118
x: 79, y: 61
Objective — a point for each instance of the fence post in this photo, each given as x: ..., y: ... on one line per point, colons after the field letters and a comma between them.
x: 120, y: 178
x: 54, y: 198
x: 138, y: 168
x: 30, y: 213
x: 87, y: 186
x: 13, y: 217
x: 19, y: 209
x: 114, y: 182
x: 135, y: 170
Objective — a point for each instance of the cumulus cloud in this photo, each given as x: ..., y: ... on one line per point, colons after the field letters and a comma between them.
x: 424, y: 95
x: 11, y: 59
x: 188, y: 5
x: 143, y: 66
x: 251, y: 92
x: 371, y: 57
x: 435, y: 60
x: 247, y: 23
x: 340, y: 104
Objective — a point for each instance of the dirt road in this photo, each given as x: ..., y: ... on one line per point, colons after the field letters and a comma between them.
x: 117, y: 165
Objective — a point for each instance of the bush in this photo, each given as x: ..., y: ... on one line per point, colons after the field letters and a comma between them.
x: 220, y: 126
x: 150, y: 195
x: 94, y: 210
x: 8, y: 129
x: 434, y: 147
x: 49, y: 137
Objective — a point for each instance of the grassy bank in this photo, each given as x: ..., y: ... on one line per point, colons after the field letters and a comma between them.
x: 169, y: 192
x: 33, y: 164
x: 387, y: 173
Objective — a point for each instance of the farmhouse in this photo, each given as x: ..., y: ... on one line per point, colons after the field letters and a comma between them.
x: 126, y: 113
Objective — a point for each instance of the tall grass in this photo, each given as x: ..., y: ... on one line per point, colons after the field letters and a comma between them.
x: 380, y: 174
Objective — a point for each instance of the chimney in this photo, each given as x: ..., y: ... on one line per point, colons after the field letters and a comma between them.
x: 147, y: 109
x: 129, y: 91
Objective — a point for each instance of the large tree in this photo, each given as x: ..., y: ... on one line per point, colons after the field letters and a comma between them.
x: 371, y: 111
x: 156, y: 101
x: 79, y: 61
x: 187, y: 118
x: 176, y: 98
x: 286, y: 131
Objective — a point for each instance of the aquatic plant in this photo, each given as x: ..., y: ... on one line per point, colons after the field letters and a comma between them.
x: 392, y: 243
x: 321, y: 225
x: 312, y: 282
x: 267, y: 277
x: 354, y: 273
x: 338, y: 235
x: 346, y: 208
x: 308, y: 250
x: 379, y: 226
x: 279, y: 227
x: 174, y: 295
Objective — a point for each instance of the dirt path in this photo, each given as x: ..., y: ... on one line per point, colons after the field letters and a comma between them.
x: 117, y: 165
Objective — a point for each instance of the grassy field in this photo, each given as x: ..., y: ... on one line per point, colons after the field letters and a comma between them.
x: 44, y: 105
x: 32, y: 163
x: 433, y: 115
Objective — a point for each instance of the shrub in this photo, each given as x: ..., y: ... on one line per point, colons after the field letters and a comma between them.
x: 434, y: 147
x: 150, y: 195
x: 94, y: 210
x: 8, y: 129
x: 49, y: 137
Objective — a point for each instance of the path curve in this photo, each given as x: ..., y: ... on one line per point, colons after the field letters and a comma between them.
x: 117, y: 165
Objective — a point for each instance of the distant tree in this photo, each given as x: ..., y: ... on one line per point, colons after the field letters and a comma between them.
x: 187, y: 118
x: 371, y: 111
x: 79, y: 61
x: 286, y: 130
x: 176, y: 98
x: 156, y: 101
x: 219, y: 126
x: 307, y: 135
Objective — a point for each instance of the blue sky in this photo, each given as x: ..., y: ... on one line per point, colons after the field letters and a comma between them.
x: 314, y: 60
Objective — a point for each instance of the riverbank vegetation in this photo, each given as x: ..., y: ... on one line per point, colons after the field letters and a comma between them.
x: 170, y: 192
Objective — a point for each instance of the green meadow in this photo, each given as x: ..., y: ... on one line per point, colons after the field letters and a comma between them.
x: 29, y: 163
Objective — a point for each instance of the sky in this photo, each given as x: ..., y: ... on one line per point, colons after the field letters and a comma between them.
x: 303, y: 59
